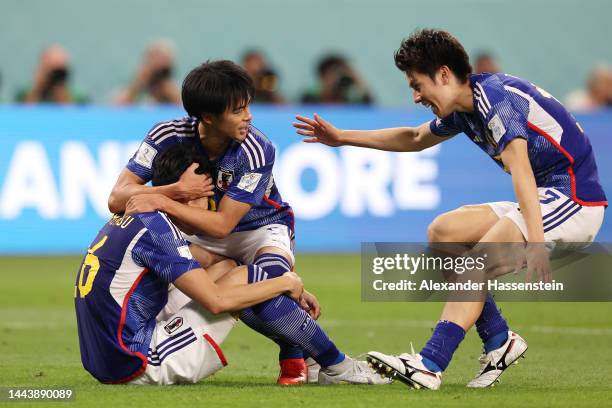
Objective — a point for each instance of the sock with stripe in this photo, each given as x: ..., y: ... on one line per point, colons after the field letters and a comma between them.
x: 492, y: 327
x: 273, y: 266
x: 440, y: 348
x: 282, y: 319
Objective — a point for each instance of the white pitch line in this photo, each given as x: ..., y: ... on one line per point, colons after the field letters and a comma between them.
x: 429, y: 324
x: 391, y: 324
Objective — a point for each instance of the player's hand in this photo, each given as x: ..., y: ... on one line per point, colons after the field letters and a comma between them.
x: 142, y: 203
x: 538, y: 262
x: 297, y: 286
x: 310, y: 304
x: 318, y: 130
x: 191, y: 185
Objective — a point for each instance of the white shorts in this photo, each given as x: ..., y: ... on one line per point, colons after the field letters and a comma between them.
x: 243, y: 245
x: 185, y: 347
x: 564, y: 220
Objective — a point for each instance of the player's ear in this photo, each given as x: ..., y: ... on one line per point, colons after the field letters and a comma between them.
x: 445, y: 74
x: 207, y: 118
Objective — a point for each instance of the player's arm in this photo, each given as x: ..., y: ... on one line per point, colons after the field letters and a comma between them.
x: 189, y: 186
x: 216, y: 224
x: 403, y: 139
x: 221, y: 298
x: 516, y: 160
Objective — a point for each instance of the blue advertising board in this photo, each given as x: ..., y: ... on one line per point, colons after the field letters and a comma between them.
x: 58, y: 165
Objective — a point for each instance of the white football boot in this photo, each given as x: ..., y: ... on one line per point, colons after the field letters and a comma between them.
x: 494, y: 363
x: 407, y: 368
x: 313, y: 369
x: 351, y: 371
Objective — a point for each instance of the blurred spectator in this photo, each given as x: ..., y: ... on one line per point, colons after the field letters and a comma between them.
x: 265, y: 79
x: 598, y: 93
x: 51, y: 80
x: 153, y: 82
x: 485, y: 62
x: 338, y: 83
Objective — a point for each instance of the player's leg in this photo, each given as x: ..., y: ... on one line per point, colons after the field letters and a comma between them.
x: 283, y: 319
x: 270, y: 248
x: 466, y: 225
x: 424, y: 369
x: 185, y: 348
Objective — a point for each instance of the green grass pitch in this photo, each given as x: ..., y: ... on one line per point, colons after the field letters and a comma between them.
x: 569, y: 361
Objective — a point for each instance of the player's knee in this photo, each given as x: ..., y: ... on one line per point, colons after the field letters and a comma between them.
x: 439, y: 230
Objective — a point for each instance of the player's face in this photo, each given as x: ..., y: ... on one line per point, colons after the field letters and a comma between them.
x: 435, y: 94
x: 234, y: 122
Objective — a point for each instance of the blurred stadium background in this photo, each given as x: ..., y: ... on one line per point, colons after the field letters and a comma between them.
x: 58, y: 163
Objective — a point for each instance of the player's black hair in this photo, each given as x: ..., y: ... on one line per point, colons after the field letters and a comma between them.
x: 425, y: 51
x: 216, y: 86
x: 172, y: 162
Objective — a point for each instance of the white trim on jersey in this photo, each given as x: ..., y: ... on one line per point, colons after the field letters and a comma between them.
x: 175, y: 231
x: 127, y: 273
x: 484, y: 96
x: 254, y: 152
x: 254, y: 141
x: 539, y: 117
x: 167, y: 129
x: 481, y: 104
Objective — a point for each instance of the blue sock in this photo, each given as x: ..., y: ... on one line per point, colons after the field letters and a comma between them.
x: 439, y: 350
x: 273, y: 266
x: 492, y: 327
x: 282, y: 319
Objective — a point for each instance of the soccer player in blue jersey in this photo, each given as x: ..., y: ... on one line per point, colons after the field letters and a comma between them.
x: 129, y: 328
x: 248, y: 221
x: 530, y: 135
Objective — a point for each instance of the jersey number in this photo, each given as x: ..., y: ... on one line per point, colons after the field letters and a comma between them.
x: 93, y: 263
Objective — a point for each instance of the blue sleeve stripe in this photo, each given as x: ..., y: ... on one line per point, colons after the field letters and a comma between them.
x: 254, y: 152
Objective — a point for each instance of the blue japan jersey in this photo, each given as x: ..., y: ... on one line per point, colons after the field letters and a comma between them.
x: 244, y: 172
x: 121, y: 287
x: 505, y: 108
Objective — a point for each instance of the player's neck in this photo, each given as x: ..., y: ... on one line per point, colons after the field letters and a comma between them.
x: 213, y: 142
x: 465, y: 99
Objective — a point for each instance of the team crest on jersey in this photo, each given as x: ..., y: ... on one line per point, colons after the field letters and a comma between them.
x: 224, y: 179
x: 174, y: 325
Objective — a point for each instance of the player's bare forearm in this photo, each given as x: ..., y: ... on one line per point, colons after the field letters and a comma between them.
x: 404, y: 139
x: 516, y: 159
x: 122, y: 193
x: 203, y: 221
x: 228, y: 298
x: 236, y: 298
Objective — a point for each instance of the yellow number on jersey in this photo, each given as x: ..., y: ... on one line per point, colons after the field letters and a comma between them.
x: 93, y: 263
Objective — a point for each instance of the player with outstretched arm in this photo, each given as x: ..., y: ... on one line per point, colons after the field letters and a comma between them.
x: 530, y: 135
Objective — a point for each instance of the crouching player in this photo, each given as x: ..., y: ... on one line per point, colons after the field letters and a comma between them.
x: 530, y: 135
x: 249, y: 221
x: 125, y: 331
x: 122, y: 286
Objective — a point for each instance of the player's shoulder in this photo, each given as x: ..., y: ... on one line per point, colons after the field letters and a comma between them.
x: 487, y: 87
x: 256, y: 148
x: 159, y: 226
x: 183, y: 127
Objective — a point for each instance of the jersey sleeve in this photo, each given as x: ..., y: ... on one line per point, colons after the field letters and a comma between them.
x: 141, y: 162
x: 253, y: 172
x: 449, y: 126
x: 162, y: 249
x: 504, y: 113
